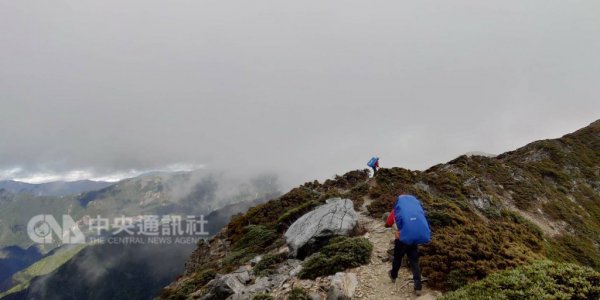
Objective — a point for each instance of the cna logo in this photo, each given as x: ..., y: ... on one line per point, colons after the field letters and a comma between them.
x: 42, y: 229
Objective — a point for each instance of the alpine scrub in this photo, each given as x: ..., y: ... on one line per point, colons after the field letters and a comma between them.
x: 540, y: 280
x: 339, y: 254
x: 495, y: 220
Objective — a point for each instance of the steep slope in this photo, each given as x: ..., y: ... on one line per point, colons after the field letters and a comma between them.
x: 487, y: 213
x: 16, y: 209
x: 183, y: 193
x: 137, y: 271
x: 13, y: 259
x: 110, y: 271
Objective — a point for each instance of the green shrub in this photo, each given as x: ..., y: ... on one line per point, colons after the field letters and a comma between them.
x: 268, y: 213
x: 540, y: 280
x: 267, y: 264
x: 196, y: 281
x: 574, y: 249
x: 517, y: 218
x: 348, y: 180
x: 256, y: 237
x: 262, y: 296
x: 473, y: 251
x: 293, y: 214
x: 357, y: 193
x: 298, y: 294
x: 255, y: 240
x: 203, y: 277
x: 339, y: 254
x: 457, y: 279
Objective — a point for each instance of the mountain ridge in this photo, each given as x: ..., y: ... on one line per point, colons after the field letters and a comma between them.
x: 54, y: 188
x: 540, y: 201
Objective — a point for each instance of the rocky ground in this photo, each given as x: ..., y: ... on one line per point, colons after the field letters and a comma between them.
x: 372, y: 279
x: 369, y: 281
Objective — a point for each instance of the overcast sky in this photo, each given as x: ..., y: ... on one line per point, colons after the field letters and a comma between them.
x: 304, y: 88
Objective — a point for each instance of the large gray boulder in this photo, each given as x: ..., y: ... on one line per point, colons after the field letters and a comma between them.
x: 315, y: 228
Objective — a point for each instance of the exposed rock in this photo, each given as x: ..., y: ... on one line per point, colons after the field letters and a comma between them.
x: 314, y: 296
x: 481, y: 203
x: 266, y: 284
x: 295, y: 265
x: 231, y: 286
x: 255, y: 260
x: 294, y: 262
x: 223, y: 286
x: 242, y: 275
x: 207, y: 251
x: 423, y: 186
x: 342, y: 286
x: 288, y: 266
x: 283, y: 250
x: 296, y: 270
x: 315, y: 228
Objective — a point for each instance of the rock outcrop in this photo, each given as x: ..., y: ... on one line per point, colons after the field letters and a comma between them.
x: 343, y: 286
x: 312, y: 230
x: 224, y: 286
x: 243, y: 284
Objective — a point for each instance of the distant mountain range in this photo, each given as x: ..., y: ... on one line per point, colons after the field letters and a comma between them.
x: 56, y: 188
x: 215, y: 195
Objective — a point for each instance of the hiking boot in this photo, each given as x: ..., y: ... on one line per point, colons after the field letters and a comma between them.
x: 418, y: 293
x: 392, y: 278
x: 418, y: 285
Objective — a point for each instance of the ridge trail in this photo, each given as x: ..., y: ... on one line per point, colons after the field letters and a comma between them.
x: 373, y: 280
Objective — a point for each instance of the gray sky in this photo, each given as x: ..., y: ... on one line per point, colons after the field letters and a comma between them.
x: 305, y: 88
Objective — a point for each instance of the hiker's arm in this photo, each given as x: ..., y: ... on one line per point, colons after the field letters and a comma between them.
x: 390, y: 219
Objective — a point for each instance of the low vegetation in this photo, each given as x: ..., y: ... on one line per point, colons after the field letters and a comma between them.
x: 479, y: 209
x: 540, y: 280
x: 299, y: 294
x: 255, y: 240
x: 268, y: 264
x: 190, y: 285
x: 262, y: 296
x: 339, y: 254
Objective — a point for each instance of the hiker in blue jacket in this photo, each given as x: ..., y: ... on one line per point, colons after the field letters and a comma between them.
x: 413, y: 230
x: 374, y: 164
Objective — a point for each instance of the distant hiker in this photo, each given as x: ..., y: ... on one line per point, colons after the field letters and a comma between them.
x: 374, y: 163
x: 413, y: 230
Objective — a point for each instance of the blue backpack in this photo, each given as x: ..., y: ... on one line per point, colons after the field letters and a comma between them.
x: 372, y: 162
x: 411, y: 221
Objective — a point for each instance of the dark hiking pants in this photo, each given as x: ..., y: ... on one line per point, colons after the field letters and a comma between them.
x: 412, y: 251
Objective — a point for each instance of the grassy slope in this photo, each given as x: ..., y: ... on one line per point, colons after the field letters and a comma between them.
x: 17, y: 209
x: 481, y: 210
x: 43, y: 267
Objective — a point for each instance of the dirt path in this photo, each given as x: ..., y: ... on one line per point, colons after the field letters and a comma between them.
x: 373, y: 280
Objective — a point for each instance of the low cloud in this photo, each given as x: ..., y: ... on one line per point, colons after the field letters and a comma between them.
x: 20, y: 174
x: 305, y: 89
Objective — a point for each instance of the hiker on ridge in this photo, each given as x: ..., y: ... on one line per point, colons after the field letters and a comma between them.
x: 413, y: 230
x: 374, y: 163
